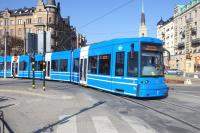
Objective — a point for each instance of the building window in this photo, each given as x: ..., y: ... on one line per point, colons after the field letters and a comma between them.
x: 119, y: 67
x: 195, y: 23
x: 28, y: 21
x: 104, y: 64
x: 50, y: 20
x: 92, y: 67
x: 40, y: 20
x: 19, y: 31
x: 20, y: 22
x: 12, y: 22
x: 132, y: 64
x: 195, y: 13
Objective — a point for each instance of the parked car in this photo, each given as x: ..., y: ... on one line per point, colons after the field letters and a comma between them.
x: 174, y: 72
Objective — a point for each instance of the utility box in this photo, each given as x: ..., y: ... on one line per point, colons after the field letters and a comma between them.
x: 31, y: 43
x: 35, y: 42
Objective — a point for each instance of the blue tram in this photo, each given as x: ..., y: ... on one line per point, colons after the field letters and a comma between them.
x: 130, y: 66
x: 8, y: 66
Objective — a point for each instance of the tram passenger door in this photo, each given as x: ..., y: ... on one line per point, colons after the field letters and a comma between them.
x: 14, y: 69
x: 48, y: 69
x: 83, y: 71
x: 48, y: 65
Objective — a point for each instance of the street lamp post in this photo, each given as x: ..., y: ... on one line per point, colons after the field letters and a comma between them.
x: 44, y: 62
x: 5, y: 58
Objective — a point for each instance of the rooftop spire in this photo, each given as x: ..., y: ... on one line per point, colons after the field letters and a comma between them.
x: 142, y: 6
x: 143, y: 28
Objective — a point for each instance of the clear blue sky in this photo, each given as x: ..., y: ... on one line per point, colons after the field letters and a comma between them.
x: 123, y: 22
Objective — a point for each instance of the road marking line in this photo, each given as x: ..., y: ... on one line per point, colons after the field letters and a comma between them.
x: 68, y: 125
x: 36, y: 94
x: 103, y: 125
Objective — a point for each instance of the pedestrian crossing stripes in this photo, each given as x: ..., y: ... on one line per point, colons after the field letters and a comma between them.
x: 68, y: 126
x: 103, y: 124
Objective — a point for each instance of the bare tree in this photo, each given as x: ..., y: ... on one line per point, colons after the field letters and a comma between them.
x: 15, y: 45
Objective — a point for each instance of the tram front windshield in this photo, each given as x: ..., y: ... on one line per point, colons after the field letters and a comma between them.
x: 152, y: 64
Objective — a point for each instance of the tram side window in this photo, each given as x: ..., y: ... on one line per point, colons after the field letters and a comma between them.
x: 1, y: 65
x: 8, y: 66
x: 63, y: 65
x: 39, y: 66
x: 92, y: 68
x: 132, y: 64
x: 119, y: 67
x: 76, y: 65
x: 54, y: 65
x: 22, y: 66
x: 104, y: 64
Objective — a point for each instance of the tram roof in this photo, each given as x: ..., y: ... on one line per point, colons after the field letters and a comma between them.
x: 127, y: 40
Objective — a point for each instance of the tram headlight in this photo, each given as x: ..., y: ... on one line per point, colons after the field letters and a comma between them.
x: 145, y: 82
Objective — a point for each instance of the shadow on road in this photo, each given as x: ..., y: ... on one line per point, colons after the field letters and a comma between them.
x: 66, y: 119
x: 4, y: 127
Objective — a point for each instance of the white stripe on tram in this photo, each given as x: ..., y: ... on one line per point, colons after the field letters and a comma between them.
x: 113, y: 81
x: 111, y: 77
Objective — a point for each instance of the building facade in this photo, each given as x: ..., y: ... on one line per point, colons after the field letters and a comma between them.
x: 43, y: 17
x: 186, y: 21
x: 165, y: 31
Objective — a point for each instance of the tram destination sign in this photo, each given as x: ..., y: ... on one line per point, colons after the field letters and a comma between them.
x: 151, y: 48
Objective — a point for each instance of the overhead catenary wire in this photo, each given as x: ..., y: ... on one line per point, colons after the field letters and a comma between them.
x: 106, y: 14
x: 102, y: 16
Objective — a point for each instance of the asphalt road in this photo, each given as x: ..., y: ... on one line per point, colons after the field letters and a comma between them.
x: 69, y: 108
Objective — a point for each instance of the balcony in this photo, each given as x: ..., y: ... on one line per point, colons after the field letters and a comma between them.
x: 194, y: 31
x: 181, y: 45
x: 196, y: 42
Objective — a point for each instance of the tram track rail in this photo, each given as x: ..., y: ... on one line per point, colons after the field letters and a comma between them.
x: 160, y: 112
x: 142, y: 104
x: 180, y: 106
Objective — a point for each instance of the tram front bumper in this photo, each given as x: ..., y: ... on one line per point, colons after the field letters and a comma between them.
x: 161, y: 92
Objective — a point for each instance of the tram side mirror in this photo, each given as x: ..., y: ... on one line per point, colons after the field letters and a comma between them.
x: 168, y: 54
x: 132, y: 50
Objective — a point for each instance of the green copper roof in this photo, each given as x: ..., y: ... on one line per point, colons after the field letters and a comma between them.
x: 188, y: 6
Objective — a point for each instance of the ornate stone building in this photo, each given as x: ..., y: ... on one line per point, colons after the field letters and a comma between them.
x: 186, y: 21
x: 43, y: 17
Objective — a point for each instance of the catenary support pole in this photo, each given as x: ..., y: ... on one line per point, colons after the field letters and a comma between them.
x: 44, y: 62
x: 5, y: 58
